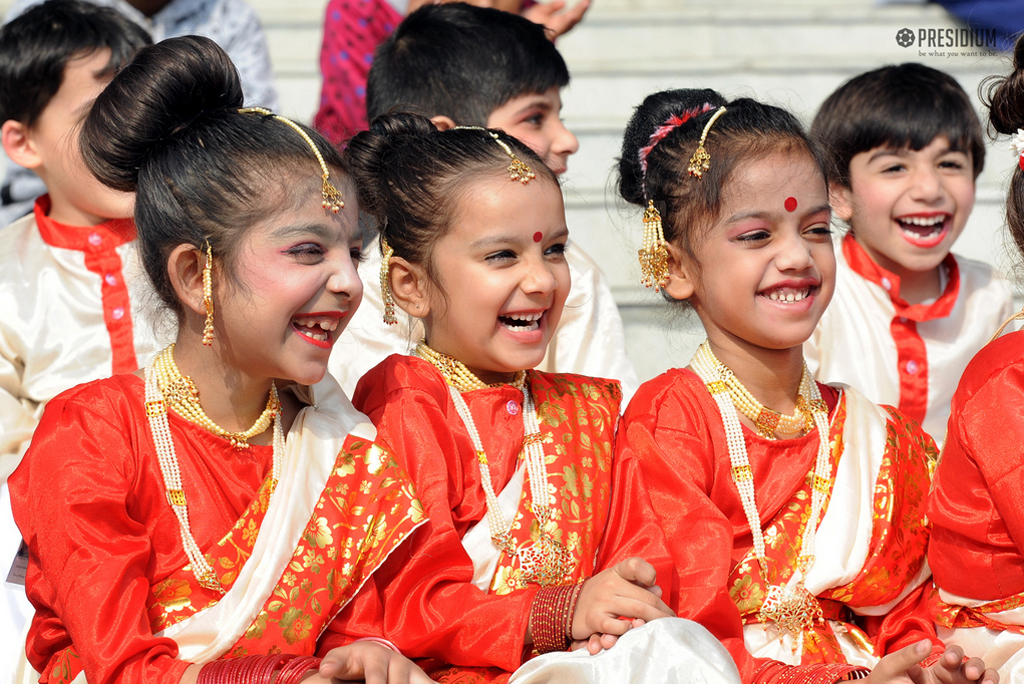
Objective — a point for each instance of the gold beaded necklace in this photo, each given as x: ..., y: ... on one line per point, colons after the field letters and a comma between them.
x: 545, y: 561
x: 181, y: 394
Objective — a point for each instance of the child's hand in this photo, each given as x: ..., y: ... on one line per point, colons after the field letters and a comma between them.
x: 903, y: 667
x: 547, y: 15
x: 627, y: 590
x: 375, y: 663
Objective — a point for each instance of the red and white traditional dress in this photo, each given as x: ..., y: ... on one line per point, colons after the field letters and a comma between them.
x: 69, y: 313
x: 115, y: 599
x: 977, y: 544
x: 870, y: 543
x: 449, y: 596
x: 897, y: 354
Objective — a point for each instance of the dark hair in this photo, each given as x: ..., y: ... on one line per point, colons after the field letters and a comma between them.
x: 168, y: 128
x: 36, y: 46
x: 747, y: 130
x: 463, y: 62
x: 1004, y: 96
x: 410, y: 176
x: 907, y: 105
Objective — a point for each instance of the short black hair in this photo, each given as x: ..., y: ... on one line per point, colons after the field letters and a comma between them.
x: 463, y: 62
x: 905, y: 106
x: 37, y: 45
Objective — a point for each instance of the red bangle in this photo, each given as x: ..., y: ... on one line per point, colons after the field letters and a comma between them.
x: 295, y: 669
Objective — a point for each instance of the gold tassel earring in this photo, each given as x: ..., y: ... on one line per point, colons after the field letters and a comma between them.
x: 385, y: 286
x: 208, y: 296
x: 654, y: 253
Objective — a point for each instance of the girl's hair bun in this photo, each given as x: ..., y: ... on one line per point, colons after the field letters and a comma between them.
x: 654, y: 112
x: 370, y: 152
x: 1005, y: 96
x: 167, y: 88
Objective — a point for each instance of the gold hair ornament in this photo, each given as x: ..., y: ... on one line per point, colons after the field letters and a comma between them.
x: 701, y: 160
x: 654, y: 253
x: 208, y: 296
x: 385, y: 285
x: 518, y: 170
x: 331, y: 194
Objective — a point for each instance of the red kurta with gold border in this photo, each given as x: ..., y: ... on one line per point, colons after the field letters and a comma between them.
x: 431, y: 607
x: 365, y: 509
x: 674, y: 428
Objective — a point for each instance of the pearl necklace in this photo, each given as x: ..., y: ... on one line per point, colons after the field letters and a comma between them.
x: 546, y: 561
x: 163, y: 389
x: 791, y: 608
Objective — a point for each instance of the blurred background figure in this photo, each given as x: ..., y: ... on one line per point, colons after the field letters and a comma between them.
x: 232, y: 24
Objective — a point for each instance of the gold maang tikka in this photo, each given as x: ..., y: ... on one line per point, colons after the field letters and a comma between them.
x: 518, y: 170
x: 701, y: 160
x: 208, y: 295
x: 654, y: 253
x: 332, y: 196
x: 385, y: 285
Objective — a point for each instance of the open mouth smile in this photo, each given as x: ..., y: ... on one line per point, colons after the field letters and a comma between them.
x: 521, y: 322
x: 318, y: 329
x: 924, y: 230
x: 790, y: 293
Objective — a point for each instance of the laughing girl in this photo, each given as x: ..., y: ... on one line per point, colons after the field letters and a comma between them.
x: 206, y: 518
x: 801, y: 502
x: 514, y: 466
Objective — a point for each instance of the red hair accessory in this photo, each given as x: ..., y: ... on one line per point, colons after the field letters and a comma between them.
x: 673, y: 122
x: 1017, y: 145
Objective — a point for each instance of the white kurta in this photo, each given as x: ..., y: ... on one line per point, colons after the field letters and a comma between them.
x: 854, y: 343
x: 59, y: 324
x: 590, y: 339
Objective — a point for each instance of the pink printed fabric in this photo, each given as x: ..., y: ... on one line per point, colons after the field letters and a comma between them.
x: 352, y: 31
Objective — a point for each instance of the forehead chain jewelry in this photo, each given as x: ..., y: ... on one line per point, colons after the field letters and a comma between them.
x: 701, y: 160
x: 332, y: 196
x: 518, y: 170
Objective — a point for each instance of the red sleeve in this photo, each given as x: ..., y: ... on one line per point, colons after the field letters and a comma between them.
x: 700, y: 536
x: 431, y: 607
x: 907, y: 623
x: 88, y: 563
x: 977, y: 520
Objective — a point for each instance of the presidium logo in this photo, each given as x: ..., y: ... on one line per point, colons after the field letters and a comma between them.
x: 947, y: 38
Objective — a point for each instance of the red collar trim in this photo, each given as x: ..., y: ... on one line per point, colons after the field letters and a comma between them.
x: 862, y: 264
x: 103, y: 237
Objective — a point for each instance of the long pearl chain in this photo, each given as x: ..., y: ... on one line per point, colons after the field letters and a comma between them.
x: 157, y: 401
x: 793, y: 608
x: 460, y: 379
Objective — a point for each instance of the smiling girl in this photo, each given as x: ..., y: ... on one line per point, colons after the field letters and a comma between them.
x: 801, y: 502
x: 207, y: 517
x: 514, y: 466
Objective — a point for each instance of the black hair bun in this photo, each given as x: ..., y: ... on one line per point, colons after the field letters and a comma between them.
x: 1006, y: 96
x: 369, y: 152
x: 166, y: 89
x: 653, y: 112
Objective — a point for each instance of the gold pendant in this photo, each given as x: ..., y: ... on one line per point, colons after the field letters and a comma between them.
x: 792, y: 609
x: 546, y: 562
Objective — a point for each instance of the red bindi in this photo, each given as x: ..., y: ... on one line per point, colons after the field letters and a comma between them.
x: 538, y: 236
x: 790, y: 204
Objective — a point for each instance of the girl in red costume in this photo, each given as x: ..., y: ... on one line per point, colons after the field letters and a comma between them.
x: 798, y: 531
x: 168, y: 540
x: 977, y: 543
x: 514, y: 466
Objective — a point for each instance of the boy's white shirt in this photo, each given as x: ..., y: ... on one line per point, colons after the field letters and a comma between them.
x: 52, y: 337
x: 853, y: 345
x: 590, y: 339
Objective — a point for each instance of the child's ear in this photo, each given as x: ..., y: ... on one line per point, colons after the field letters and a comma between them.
x: 18, y: 144
x: 841, y: 199
x: 442, y: 123
x: 185, y: 270
x: 681, y: 275
x: 410, y: 287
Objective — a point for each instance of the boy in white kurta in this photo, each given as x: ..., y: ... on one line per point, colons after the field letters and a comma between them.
x: 67, y: 296
x: 904, y: 147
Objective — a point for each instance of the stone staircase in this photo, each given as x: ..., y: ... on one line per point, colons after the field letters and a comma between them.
x: 790, y: 52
